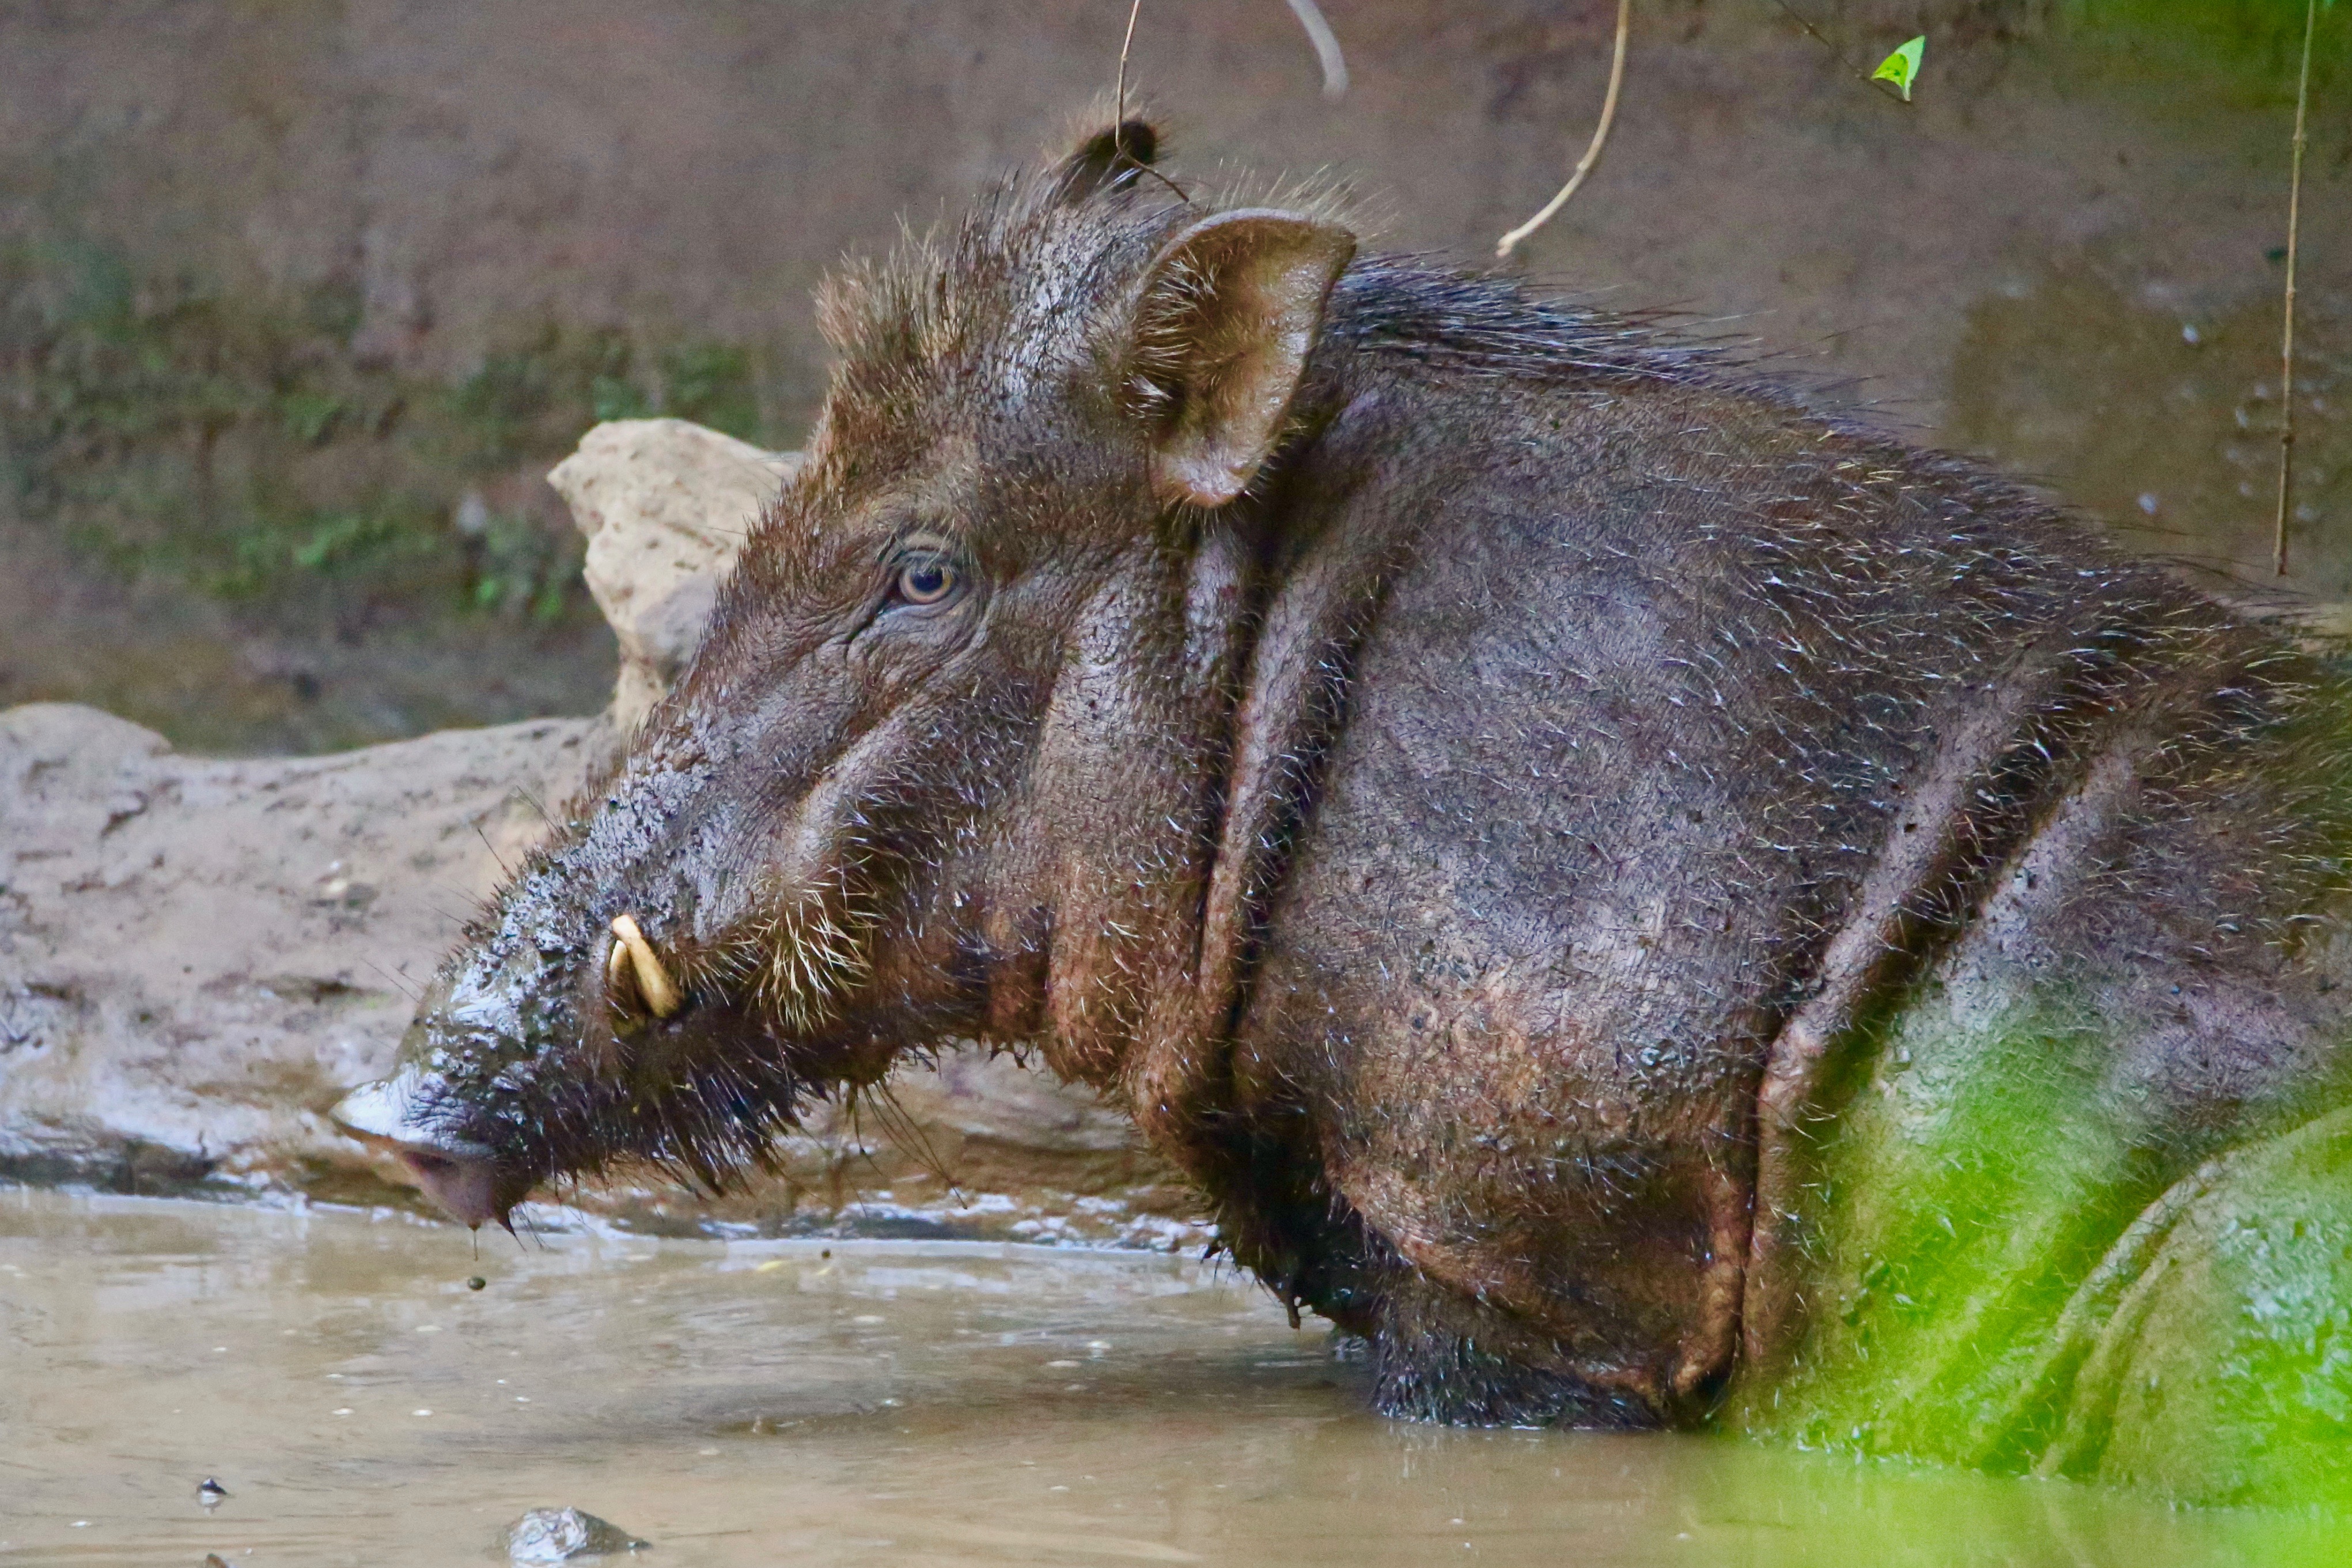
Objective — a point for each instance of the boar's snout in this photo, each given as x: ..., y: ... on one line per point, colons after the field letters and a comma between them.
x: 459, y: 1173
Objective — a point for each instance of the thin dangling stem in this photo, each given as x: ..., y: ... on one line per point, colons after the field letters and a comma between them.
x: 1333, y: 64
x: 1592, y: 153
x: 2287, y: 329
x: 1118, y: 98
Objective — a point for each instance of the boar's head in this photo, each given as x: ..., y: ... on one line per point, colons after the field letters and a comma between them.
x: 946, y: 762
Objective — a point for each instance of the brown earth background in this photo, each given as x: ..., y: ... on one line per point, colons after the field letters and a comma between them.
x: 298, y: 298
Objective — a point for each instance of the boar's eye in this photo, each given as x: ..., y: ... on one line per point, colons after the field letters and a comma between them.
x: 925, y: 580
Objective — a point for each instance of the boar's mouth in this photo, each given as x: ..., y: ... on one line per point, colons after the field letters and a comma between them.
x: 478, y: 1166
x: 458, y: 1169
x: 507, y: 1081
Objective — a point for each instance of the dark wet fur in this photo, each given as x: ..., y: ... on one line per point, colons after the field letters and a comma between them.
x: 1572, y: 686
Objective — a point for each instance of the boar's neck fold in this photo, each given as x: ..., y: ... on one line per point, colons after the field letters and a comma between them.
x: 1328, y: 530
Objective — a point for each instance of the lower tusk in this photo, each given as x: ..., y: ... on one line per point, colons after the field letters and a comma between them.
x: 654, y: 983
x: 617, y: 980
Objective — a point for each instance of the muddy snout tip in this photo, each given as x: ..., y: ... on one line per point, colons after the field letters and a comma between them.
x: 459, y: 1176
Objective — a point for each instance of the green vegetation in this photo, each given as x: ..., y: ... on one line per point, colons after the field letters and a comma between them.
x: 1902, y: 67
x: 240, y: 450
x: 2003, y: 1275
x: 2247, y: 48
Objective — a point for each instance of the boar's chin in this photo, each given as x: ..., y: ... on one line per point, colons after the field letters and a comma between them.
x: 701, y: 1098
x: 705, y: 1125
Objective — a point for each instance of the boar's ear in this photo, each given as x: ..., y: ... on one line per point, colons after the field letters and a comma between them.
x: 1229, y: 314
x: 1110, y: 160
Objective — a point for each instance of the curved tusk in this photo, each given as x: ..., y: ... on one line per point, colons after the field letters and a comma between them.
x: 654, y: 983
x: 617, y: 967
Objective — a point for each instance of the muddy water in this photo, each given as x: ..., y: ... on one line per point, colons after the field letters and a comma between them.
x: 889, y: 1402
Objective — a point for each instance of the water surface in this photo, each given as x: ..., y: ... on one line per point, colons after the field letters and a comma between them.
x: 888, y: 1403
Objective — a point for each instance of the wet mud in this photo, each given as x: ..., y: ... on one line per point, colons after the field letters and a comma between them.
x: 849, y: 1403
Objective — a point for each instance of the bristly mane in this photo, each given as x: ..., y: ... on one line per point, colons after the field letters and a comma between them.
x: 1477, y: 322
x: 999, y: 296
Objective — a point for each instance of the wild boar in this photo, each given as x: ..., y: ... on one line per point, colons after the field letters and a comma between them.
x: 1481, y: 780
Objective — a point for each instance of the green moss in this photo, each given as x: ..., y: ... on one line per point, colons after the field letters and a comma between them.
x: 711, y: 384
x: 521, y: 571
x: 235, y: 449
x: 615, y: 397
x: 310, y: 548
x: 2250, y: 49
x: 529, y: 398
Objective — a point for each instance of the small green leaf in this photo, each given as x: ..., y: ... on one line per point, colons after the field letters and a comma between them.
x: 1902, y: 67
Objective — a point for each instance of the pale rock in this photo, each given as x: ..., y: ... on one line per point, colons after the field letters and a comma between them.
x: 564, y: 1534
x: 665, y: 506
